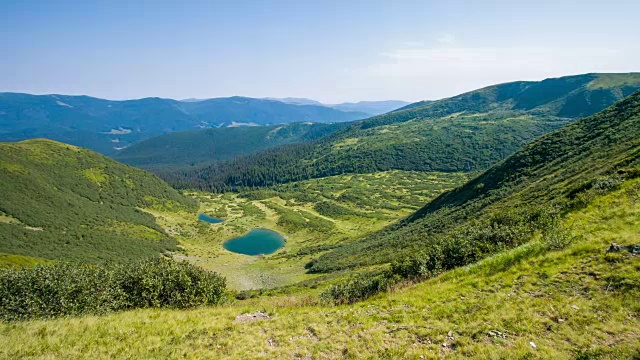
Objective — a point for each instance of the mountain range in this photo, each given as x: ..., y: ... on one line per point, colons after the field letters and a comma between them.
x: 107, y: 126
x: 536, y: 256
x: 468, y: 132
x: 371, y: 108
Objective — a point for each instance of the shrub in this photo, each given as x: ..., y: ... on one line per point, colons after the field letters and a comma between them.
x: 557, y: 237
x: 359, y: 288
x: 420, y: 266
x: 75, y: 289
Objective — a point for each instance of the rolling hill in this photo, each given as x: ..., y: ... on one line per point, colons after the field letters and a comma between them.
x: 184, y: 149
x: 468, y: 132
x: 556, y: 169
x: 106, y: 126
x: 61, y: 202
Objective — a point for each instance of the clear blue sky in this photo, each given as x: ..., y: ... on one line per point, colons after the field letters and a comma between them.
x: 328, y: 50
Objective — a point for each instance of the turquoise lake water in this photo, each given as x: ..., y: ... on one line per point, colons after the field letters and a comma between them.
x: 256, y: 242
x: 209, y: 219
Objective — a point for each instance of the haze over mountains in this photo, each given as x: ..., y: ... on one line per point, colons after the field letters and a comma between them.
x: 371, y: 108
x: 106, y: 126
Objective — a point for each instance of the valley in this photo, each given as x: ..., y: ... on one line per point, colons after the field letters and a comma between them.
x: 453, y: 228
x: 315, y: 180
x: 528, y: 302
x: 314, y: 216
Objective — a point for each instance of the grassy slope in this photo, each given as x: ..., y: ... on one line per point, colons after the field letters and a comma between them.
x: 63, y: 202
x: 551, y: 167
x: 468, y: 132
x: 575, y: 303
x: 315, y: 216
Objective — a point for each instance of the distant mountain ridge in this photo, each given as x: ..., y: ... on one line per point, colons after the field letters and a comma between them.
x: 468, y: 132
x: 369, y: 107
x: 106, y: 126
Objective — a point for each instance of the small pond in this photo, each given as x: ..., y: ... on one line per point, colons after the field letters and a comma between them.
x: 209, y: 219
x: 255, y: 242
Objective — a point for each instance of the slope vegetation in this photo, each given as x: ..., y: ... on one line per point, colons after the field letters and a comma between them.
x: 61, y: 202
x: 468, y: 132
x: 557, y: 167
x: 527, y: 303
x: 184, y: 149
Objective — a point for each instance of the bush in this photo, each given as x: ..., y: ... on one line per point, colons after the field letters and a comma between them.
x: 417, y: 267
x: 359, y: 288
x: 557, y: 237
x: 75, y: 289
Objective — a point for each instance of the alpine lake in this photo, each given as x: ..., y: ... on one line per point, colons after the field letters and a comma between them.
x: 255, y: 242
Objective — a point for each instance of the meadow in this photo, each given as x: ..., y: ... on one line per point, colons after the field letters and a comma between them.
x: 313, y: 215
x: 531, y: 302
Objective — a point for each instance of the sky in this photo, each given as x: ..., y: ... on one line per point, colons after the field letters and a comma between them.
x: 331, y: 51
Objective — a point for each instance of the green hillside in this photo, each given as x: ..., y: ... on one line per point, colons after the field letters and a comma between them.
x: 184, y: 149
x: 106, y: 125
x: 468, y: 132
x: 556, y: 168
x: 61, y: 202
x: 526, y: 303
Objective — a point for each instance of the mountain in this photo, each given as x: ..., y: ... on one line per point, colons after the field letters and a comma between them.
x: 61, y: 202
x: 107, y: 126
x: 553, y: 171
x: 371, y: 107
x: 224, y: 111
x: 184, y: 149
x: 537, y: 297
x: 468, y: 132
x: 296, y: 101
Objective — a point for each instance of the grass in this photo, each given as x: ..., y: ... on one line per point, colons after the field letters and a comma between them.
x: 371, y: 202
x: 578, y: 302
x: 16, y: 261
x: 607, y: 81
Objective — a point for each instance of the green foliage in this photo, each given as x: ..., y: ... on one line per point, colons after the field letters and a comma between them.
x: 186, y: 149
x: 300, y: 220
x: 330, y: 209
x: 73, y: 204
x: 359, y: 288
x: 468, y: 132
x: 74, y: 289
x: 567, y: 168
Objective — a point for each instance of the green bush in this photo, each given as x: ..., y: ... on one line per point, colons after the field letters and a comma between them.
x: 75, y: 289
x: 359, y: 288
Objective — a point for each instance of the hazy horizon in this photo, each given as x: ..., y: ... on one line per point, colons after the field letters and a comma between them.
x: 332, y: 52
